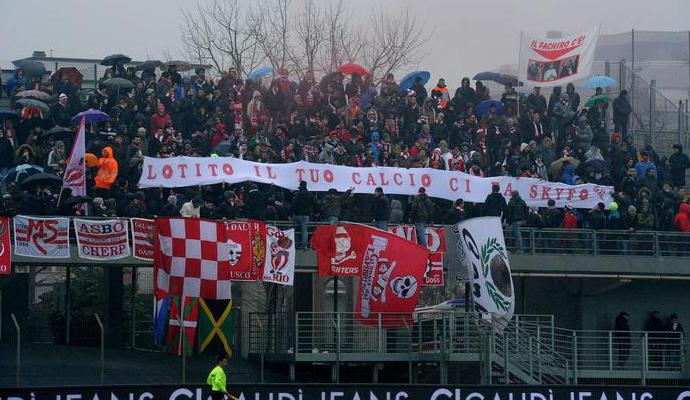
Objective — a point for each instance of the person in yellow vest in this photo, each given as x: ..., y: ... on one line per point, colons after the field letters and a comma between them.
x: 107, y: 169
x: 217, y: 380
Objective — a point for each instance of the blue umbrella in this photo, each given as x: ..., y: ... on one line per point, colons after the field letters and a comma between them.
x: 260, y: 72
x: 92, y: 116
x: 486, y: 76
x: 600, y: 81
x: 408, y: 80
x: 483, y: 107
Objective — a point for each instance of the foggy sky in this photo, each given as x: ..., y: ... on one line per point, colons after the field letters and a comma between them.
x: 468, y: 36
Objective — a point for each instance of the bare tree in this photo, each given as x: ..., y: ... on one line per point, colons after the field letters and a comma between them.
x: 270, y: 22
x: 309, y: 37
x: 344, y: 41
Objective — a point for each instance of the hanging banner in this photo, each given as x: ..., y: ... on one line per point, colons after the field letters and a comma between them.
x: 246, y: 246
x: 5, y: 250
x: 142, y: 238
x: 449, y: 185
x: 280, y: 256
x: 41, y: 237
x: 102, y: 239
x: 340, y: 248
x: 554, y: 62
x: 404, y: 231
x: 436, y: 243
x: 485, y: 254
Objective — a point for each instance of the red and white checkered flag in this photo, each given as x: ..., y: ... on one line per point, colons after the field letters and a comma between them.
x: 191, y: 258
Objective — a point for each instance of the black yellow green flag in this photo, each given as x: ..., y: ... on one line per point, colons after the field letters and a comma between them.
x: 215, y: 326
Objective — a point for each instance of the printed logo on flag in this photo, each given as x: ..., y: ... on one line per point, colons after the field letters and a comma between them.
x: 142, y: 238
x: 41, y: 237
x: 436, y: 243
x: 102, y: 239
x: 280, y: 256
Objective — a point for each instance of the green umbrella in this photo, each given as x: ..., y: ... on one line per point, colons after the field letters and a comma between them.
x: 592, y: 101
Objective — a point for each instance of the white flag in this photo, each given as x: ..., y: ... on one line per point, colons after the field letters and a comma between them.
x: 75, y: 172
x: 486, y: 257
x: 280, y: 256
x: 553, y: 62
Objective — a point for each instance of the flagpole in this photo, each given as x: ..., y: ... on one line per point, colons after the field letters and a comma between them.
x: 181, y: 343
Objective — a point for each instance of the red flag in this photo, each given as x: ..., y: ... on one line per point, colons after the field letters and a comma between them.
x: 340, y: 248
x: 142, y: 238
x: 391, y: 279
x: 190, y: 316
x: 246, y: 242
x: 5, y: 252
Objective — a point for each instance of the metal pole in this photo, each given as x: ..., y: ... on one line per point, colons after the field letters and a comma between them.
x: 645, y: 359
x: 181, y: 342
x: 100, y: 326
x: 680, y: 121
x: 652, y: 108
x: 134, y: 306
x: 95, y: 76
x: 19, y: 349
x: 68, y: 303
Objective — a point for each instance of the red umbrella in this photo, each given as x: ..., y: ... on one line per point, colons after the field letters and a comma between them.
x: 73, y: 75
x: 349, y: 69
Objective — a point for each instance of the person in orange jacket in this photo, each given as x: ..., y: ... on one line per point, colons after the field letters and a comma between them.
x: 441, y: 91
x: 107, y: 169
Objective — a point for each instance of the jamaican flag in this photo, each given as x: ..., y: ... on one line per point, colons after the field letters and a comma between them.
x: 215, y: 326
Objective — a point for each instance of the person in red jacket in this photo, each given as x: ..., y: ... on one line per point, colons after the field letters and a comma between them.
x: 682, y: 220
x: 160, y: 119
x: 570, y: 219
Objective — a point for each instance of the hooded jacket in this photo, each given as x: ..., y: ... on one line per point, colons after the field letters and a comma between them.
x: 107, y: 170
x: 14, y: 81
x: 682, y: 219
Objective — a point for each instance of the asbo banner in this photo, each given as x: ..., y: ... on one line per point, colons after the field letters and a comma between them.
x: 553, y: 62
x: 102, y: 239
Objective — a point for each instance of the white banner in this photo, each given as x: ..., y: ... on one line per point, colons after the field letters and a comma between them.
x: 449, y: 185
x: 485, y: 254
x: 280, y: 256
x: 41, y: 237
x: 102, y: 239
x: 554, y: 62
x: 75, y: 171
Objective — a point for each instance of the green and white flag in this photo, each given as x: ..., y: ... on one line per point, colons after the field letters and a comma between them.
x: 485, y: 255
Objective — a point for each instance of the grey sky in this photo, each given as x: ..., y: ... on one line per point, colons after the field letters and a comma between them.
x: 468, y: 36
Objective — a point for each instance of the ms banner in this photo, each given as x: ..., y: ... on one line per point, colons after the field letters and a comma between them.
x: 352, y: 392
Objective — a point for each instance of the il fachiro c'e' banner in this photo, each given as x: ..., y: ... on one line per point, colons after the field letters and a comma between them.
x: 449, y: 185
x: 553, y: 62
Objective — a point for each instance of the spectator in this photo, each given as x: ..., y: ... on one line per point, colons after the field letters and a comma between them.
x: 396, y: 215
x: 332, y: 204
x: 621, y: 338
x: 516, y: 215
x: 231, y: 208
x: 621, y: 113
x: 537, y: 101
x: 107, y: 170
x: 573, y: 97
x: 302, y: 209
x: 495, y: 204
x: 170, y: 209
x: 570, y: 218
x: 655, y: 328
x: 380, y: 209
x: 553, y: 217
x: 675, y: 345
x: 679, y: 164
x: 643, y: 165
x: 682, y: 220
x: 57, y: 158
x: 534, y: 219
x: 456, y: 213
x: 6, y: 153
x: 192, y: 208
x: 421, y: 214
x: 597, y: 219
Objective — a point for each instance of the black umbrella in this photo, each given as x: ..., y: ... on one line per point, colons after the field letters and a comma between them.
x: 16, y: 173
x: 35, y: 94
x: 595, y: 166
x: 223, y: 148
x: 9, y: 114
x: 119, y: 83
x: 149, y: 65
x: 74, y: 200
x: 57, y: 131
x: 32, y: 68
x: 42, y: 178
x: 116, y: 59
x: 180, y: 65
x: 34, y: 103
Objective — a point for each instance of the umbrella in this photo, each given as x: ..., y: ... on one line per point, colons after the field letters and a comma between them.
x: 34, y: 103
x: 17, y: 173
x: 408, y: 80
x: 332, y: 77
x: 57, y: 131
x: 603, y: 81
x: 506, y: 79
x: 32, y: 68
x: 119, y: 83
x: 42, y: 178
x: 557, y: 166
x: 592, y: 101
x: 260, y: 72
x: 73, y: 75
x: 92, y: 116
x: 596, y: 166
x: 148, y: 65
x: 350, y: 69
x: 223, y: 148
x: 74, y: 200
x: 484, y: 106
x: 35, y: 94
x: 181, y: 65
x: 487, y: 76
x: 116, y: 59
x: 9, y: 114
x: 91, y: 160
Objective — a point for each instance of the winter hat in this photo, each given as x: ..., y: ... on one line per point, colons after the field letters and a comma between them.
x: 613, y: 206
x: 523, y: 147
x: 172, y: 199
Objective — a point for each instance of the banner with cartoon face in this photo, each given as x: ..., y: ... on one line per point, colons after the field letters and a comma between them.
x: 280, y: 256
x: 485, y: 255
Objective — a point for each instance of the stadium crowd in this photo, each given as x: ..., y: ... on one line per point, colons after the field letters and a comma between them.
x: 346, y: 120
